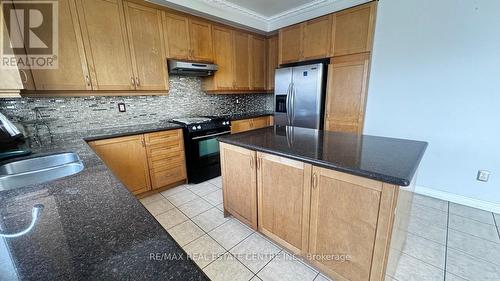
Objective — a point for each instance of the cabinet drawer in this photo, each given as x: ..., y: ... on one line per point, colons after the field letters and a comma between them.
x: 163, y: 137
x: 260, y: 122
x: 166, y: 160
x: 164, y: 177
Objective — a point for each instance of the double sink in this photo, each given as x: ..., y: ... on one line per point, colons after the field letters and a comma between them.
x: 38, y: 169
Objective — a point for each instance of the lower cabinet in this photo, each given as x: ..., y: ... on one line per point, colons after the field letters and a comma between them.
x: 340, y: 223
x: 145, y: 162
x: 283, y: 192
x: 244, y: 125
x: 239, y: 183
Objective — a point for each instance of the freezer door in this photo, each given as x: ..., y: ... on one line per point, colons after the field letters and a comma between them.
x: 282, y: 86
x: 306, y: 97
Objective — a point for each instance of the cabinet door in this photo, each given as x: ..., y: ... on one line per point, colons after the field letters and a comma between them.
x: 290, y: 44
x: 72, y: 72
x: 260, y: 122
x: 106, y: 44
x: 241, y: 126
x: 283, y: 192
x: 354, y: 30
x: 147, y: 47
x: 239, y: 183
x: 201, y: 40
x: 346, y: 95
x: 126, y: 157
x: 344, y: 212
x: 317, y: 34
x: 272, y: 61
x: 258, y: 63
x: 176, y: 32
x: 224, y: 58
x: 241, y: 61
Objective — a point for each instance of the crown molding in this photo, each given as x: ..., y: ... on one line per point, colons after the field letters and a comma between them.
x: 227, y: 12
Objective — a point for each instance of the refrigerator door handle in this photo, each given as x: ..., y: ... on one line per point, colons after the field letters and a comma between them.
x: 288, y: 104
x: 292, y: 94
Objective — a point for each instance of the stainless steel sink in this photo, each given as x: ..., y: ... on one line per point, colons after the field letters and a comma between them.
x: 39, y: 169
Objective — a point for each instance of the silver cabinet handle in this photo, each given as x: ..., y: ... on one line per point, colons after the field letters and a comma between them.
x: 132, y: 80
x: 35, y: 214
x: 211, y: 135
x: 87, y: 79
x: 137, y: 81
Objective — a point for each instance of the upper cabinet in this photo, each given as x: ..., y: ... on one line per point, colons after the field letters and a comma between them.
x: 241, y: 61
x: 272, y: 61
x: 258, y: 62
x: 106, y: 45
x: 224, y: 58
x: 187, y: 38
x: 146, y: 47
x: 353, y: 30
x: 306, y: 41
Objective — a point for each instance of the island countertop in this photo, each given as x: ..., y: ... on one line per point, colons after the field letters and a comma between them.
x: 389, y: 160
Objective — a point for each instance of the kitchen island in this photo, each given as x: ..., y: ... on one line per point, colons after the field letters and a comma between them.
x: 332, y: 198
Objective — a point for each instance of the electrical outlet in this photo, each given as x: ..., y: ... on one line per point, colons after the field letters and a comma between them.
x: 483, y: 175
x: 237, y: 101
x: 121, y: 107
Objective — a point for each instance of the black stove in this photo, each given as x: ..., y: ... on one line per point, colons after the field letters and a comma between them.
x: 201, y: 145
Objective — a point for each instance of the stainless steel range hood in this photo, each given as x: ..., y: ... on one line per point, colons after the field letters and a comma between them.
x: 186, y: 68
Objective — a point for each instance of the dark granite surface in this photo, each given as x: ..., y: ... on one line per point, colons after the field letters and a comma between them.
x: 91, y: 228
x: 389, y: 160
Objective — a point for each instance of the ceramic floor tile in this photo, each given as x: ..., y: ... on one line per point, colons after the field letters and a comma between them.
x: 472, y: 213
x: 151, y: 199
x: 215, y: 198
x: 159, y: 206
x: 173, y: 190
x: 322, y: 277
x: 474, y: 246
x: 195, y: 207
x: 473, y: 227
x: 470, y: 268
x: 497, y: 219
x: 230, y: 233
x: 431, y: 202
x: 430, y: 215
x: 204, y: 250
x: 210, y: 219
x: 453, y: 277
x: 185, y: 232
x: 171, y: 218
x: 423, y: 228
x: 182, y: 197
x: 255, y: 278
x: 389, y: 278
x: 404, y: 267
x: 255, y: 252
x: 216, y: 181
x: 220, y: 207
x: 419, y: 248
x: 286, y: 267
x: 202, y: 189
x: 227, y: 268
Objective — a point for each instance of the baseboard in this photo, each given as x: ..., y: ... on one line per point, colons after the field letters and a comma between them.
x: 459, y: 199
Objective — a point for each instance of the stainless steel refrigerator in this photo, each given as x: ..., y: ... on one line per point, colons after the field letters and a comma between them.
x: 298, y: 96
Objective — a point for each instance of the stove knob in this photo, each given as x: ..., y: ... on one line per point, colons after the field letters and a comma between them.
x: 194, y: 128
x: 199, y: 127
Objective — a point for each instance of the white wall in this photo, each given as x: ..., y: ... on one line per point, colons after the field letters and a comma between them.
x: 436, y: 77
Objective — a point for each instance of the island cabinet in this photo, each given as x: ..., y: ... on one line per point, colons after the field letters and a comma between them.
x: 145, y: 162
x: 340, y: 223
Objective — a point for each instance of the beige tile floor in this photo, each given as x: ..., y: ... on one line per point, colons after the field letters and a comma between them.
x: 445, y: 241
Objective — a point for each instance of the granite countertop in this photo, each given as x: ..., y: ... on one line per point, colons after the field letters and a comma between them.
x: 389, y: 160
x: 91, y: 227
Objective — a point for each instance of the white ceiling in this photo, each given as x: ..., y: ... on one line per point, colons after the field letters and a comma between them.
x: 260, y: 15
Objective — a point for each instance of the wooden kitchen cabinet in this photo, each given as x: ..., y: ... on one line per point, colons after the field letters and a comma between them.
x: 244, y: 125
x: 188, y: 38
x: 241, y: 61
x: 353, y: 216
x: 239, y: 183
x: 223, y: 79
x: 283, y: 195
x: 146, y: 162
x: 258, y: 62
x: 106, y: 44
x: 126, y: 157
x: 72, y: 72
x: 272, y: 61
x: 353, y: 29
x: 306, y: 41
x: 346, y: 93
x: 146, y: 47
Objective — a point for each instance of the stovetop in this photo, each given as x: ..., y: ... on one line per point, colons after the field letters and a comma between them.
x: 204, y: 123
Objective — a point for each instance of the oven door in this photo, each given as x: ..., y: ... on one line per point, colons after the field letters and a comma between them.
x: 204, y: 158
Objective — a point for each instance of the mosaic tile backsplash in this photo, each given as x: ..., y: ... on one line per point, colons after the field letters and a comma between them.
x: 185, y: 98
